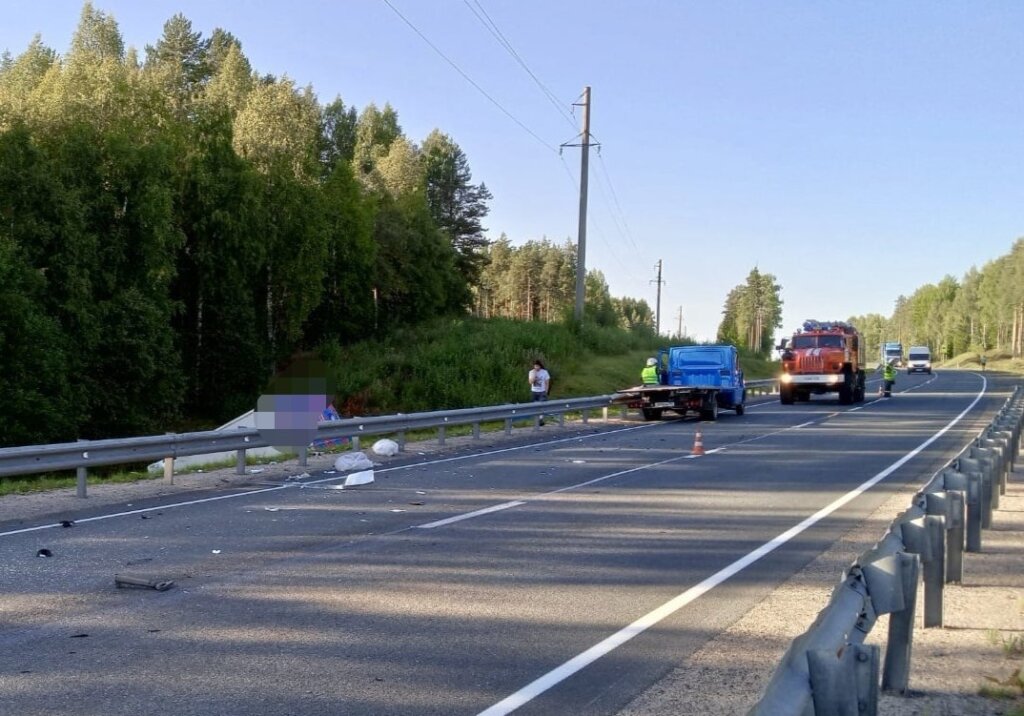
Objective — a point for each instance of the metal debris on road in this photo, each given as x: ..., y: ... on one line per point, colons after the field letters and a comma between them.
x: 67, y: 523
x: 44, y: 553
x: 127, y: 581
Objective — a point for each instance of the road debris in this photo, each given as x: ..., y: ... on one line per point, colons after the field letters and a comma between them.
x: 385, y: 447
x: 352, y: 461
x: 128, y: 581
x: 359, y: 478
x: 67, y: 523
x: 44, y: 553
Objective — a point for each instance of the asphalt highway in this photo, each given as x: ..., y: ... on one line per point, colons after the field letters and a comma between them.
x: 561, y: 573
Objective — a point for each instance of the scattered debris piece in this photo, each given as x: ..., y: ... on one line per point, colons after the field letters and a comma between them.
x: 255, y: 470
x: 127, y: 581
x: 329, y: 472
x: 215, y: 551
x: 352, y: 461
x: 420, y: 492
x: 385, y: 447
x: 67, y: 523
x: 359, y: 478
x: 416, y: 503
x: 579, y: 462
x: 397, y: 510
x: 78, y: 636
x: 44, y: 553
x: 271, y: 509
x: 143, y: 516
x: 138, y: 561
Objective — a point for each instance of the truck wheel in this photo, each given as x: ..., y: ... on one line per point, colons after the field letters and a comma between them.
x: 846, y: 389
x: 858, y: 390
x: 786, y: 394
x: 651, y: 414
x: 845, y: 394
x: 740, y: 409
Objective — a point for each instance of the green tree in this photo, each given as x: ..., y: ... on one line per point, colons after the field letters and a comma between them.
x: 752, y: 312
x: 457, y: 205
x: 179, y: 62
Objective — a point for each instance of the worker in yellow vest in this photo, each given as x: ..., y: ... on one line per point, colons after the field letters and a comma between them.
x: 649, y: 375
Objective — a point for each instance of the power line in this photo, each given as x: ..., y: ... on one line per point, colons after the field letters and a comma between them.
x: 488, y: 22
x: 465, y: 76
x: 615, y: 197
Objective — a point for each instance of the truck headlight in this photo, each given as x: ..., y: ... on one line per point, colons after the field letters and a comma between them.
x: 786, y: 378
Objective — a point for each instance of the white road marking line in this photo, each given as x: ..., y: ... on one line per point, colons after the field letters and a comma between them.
x: 471, y: 515
x: 556, y: 676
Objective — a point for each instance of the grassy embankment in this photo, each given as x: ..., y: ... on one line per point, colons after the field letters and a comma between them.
x: 463, y: 363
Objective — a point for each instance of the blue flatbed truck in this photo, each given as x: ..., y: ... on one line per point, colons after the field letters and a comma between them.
x: 698, y: 379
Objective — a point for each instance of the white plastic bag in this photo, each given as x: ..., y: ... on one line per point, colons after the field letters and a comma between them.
x: 352, y: 461
x: 385, y: 447
x: 359, y: 478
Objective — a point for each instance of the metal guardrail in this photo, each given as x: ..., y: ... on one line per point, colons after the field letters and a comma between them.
x: 828, y: 671
x: 85, y: 454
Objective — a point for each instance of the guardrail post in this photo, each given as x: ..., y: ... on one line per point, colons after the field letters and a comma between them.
x: 304, y: 456
x: 896, y: 671
x: 401, y: 440
x: 476, y: 431
x: 975, y: 510
x: 994, y: 467
x: 442, y: 431
x: 240, y: 458
x: 355, y: 443
x: 81, y: 476
x: 954, y: 483
x: 169, y: 467
x: 604, y: 413
x: 561, y: 420
x: 982, y: 468
x: 934, y: 570
x: 955, y: 538
x: 508, y: 426
x: 585, y: 416
x: 847, y: 685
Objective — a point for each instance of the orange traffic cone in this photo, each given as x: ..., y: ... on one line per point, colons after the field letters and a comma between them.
x: 698, y: 444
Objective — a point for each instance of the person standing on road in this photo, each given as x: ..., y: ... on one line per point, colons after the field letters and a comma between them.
x: 649, y: 375
x: 889, y: 376
x: 540, y: 384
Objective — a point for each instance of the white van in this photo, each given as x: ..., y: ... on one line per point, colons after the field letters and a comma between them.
x: 919, y: 360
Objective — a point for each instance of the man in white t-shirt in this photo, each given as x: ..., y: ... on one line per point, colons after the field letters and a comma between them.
x: 540, y: 384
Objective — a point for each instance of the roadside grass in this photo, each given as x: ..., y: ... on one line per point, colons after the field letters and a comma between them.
x: 1010, y: 688
x: 467, y: 362
x: 994, y: 360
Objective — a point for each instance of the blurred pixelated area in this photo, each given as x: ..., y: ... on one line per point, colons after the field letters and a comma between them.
x: 296, y: 401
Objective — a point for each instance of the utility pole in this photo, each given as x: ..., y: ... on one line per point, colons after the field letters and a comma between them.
x: 679, y: 316
x: 657, y: 305
x: 581, y: 244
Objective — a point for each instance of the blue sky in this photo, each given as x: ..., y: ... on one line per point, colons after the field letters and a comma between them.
x: 855, y: 150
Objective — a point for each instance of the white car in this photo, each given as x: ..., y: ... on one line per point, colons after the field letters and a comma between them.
x: 919, y: 360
